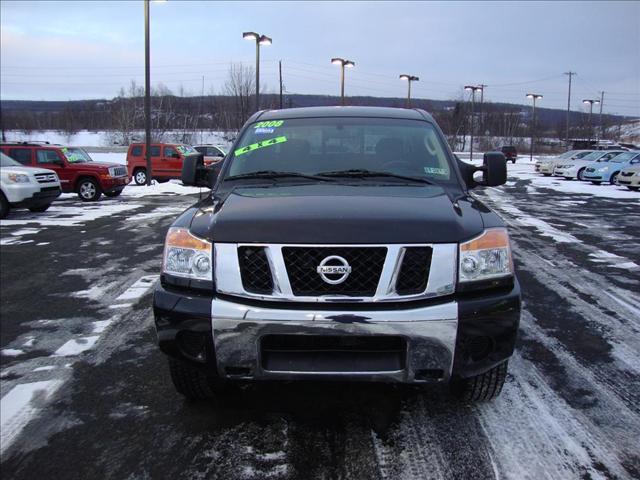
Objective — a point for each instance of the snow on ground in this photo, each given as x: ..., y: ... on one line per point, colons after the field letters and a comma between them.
x: 86, y: 138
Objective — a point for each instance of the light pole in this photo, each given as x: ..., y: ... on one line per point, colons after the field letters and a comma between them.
x: 472, y: 89
x: 147, y: 92
x: 409, y: 79
x: 343, y: 63
x: 534, y: 97
x: 590, y: 102
x: 260, y: 40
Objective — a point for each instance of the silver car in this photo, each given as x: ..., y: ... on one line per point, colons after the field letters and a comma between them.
x: 571, y: 169
x: 546, y: 166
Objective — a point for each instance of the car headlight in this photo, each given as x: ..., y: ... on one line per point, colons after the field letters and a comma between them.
x: 187, y: 256
x: 637, y: 174
x: 485, y: 257
x: 603, y: 169
x: 18, y: 178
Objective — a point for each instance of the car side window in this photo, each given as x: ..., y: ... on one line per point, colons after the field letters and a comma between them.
x: 22, y: 155
x: 169, y: 152
x: 155, y: 151
x: 215, y: 152
x: 136, y: 151
x: 201, y: 150
x: 47, y: 156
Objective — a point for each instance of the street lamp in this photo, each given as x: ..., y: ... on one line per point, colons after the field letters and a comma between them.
x: 534, y: 97
x: 260, y: 40
x: 409, y: 79
x: 590, y: 102
x: 343, y: 63
x: 147, y: 91
x: 473, y: 89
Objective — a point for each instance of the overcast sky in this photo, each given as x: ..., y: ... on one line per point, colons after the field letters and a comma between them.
x: 76, y: 50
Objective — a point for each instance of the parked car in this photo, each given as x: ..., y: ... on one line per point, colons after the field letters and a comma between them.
x: 26, y: 187
x: 575, y: 168
x: 510, y: 153
x: 75, y: 168
x: 630, y: 177
x: 546, y: 166
x: 166, y: 161
x: 608, y: 170
x: 361, y: 264
x: 212, y: 153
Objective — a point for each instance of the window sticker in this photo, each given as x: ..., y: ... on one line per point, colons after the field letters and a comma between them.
x: 269, y: 124
x: 435, y: 170
x: 262, y: 131
x: 263, y: 144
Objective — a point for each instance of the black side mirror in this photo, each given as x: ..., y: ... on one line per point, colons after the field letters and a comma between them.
x: 59, y: 163
x: 175, y: 155
x: 195, y: 174
x: 494, y: 168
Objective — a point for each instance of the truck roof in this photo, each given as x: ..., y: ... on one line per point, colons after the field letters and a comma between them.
x: 380, y: 112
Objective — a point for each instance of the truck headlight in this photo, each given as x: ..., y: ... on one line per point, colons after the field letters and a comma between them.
x: 186, y: 255
x: 485, y: 257
x: 18, y: 178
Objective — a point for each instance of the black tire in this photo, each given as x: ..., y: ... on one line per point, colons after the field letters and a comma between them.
x: 88, y: 190
x: 115, y: 193
x: 140, y: 176
x: 547, y: 174
x: 4, y: 206
x: 42, y: 208
x: 595, y: 183
x: 482, y: 387
x: 580, y: 175
x: 614, y: 178
x: 513, y: 161
x: 633, y: 189
x: 191, y: 381
x: 162, y: 180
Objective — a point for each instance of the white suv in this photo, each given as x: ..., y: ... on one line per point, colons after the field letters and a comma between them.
x: 26, y: 187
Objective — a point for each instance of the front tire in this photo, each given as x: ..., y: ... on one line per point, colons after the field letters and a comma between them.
x: 581, y: 174
x: 633, y: 189
x: 614, y: 178
x: 115, y: 193
x: 140, y: 176
x: 191, y: 381
x: 595, y: 183
x: 89, y: 190
x: 485, y: 386
x: 42, y: 208
x: 4, y: 206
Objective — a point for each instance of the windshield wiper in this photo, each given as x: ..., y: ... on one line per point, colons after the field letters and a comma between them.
x: 363, y: 173
x: 274, y: 174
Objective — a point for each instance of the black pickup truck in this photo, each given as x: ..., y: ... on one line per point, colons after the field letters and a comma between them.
x: 339, y: 243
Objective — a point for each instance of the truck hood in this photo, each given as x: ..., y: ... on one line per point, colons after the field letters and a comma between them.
x: 338, y: 214
x: 27, y: 170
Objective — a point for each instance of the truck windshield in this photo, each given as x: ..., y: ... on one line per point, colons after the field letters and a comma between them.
x: 317, y: 146
x: 76, y: 155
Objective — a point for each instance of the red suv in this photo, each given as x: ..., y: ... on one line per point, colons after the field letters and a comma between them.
x: 166, y: 161
x: 77, y: 171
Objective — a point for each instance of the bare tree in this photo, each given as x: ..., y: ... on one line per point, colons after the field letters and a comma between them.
x: 239, y: 86
x: 125, y: 112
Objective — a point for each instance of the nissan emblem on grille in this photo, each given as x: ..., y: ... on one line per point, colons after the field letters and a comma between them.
x: 334, y: 269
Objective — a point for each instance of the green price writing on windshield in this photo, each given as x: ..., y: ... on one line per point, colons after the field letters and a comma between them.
x: 262, y: 144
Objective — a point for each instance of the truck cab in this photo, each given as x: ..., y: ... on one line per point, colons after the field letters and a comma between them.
x: 339, y: 244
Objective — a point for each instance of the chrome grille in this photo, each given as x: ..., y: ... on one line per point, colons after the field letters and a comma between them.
x: 378, y: 273
x: 118, y: 171
x: 46, y: 177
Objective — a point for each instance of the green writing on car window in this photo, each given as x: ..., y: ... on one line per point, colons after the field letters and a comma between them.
x: 269, y: 124
x: 262, y: 144
x: 436, y: 171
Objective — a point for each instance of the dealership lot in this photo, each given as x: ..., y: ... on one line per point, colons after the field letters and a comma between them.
x: 81, y: 372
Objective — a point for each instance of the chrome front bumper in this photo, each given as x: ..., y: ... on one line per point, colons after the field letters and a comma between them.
x: 429, y: 332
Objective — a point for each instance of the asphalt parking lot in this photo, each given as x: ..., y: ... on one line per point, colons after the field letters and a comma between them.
x: 77, y: 329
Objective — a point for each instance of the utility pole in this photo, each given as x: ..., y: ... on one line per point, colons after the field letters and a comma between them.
x: 201, y: 108
x: 570, y: 74
x: 482, y: 87
x: 601, y: 124
x: 472, y: 89
x: 280, y: 70
x: 147, y: 94
x: 534, y: 97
